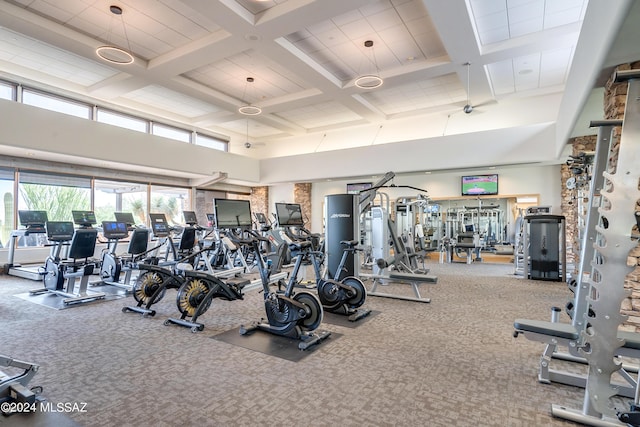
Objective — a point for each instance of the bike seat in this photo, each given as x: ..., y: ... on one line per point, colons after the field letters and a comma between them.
x: 296, y: 246
x: 349, y: 243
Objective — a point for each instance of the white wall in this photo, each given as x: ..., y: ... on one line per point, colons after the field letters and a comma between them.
x: 525, y: 144
x: 541, y: 180
x: 32, y: 128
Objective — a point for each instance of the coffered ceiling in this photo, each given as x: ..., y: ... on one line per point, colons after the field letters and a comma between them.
x: 192, y: 60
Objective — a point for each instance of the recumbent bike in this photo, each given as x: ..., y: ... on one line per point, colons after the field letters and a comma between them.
x: 113, y: 265
x: 60, y: 274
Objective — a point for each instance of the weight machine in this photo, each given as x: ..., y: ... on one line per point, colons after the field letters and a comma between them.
x: 13, y: 388
x: 596, y: 315
x: 402, y: 267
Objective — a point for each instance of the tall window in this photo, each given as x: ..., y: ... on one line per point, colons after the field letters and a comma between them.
x: 55, y: 103
x: 171, y: 201
x: 117, y: 196
x: 56, y: 194
x: 6, y: 213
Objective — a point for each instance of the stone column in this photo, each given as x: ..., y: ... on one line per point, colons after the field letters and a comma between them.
x: 615, y: 98
x: 570, y: 202
x: 302, y: 195
x: 259, y: 200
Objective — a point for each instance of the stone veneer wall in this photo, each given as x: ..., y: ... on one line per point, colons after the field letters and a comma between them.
x: 615, y: 98
x: 259, y: 200
x: 302, y: 195
x: 614, y: 105
x: 570, y: 202
x: 204, y: 203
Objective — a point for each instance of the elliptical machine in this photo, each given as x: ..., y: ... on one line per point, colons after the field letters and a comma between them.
x: 342, y: 294
x: 289, y: 314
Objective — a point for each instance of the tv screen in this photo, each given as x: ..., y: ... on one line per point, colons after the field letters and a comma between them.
x: 289, y: 215
x: 479, y: 185
x: 159, y: 225
x: 126, y: 217
x: 232, y: 213
x: 84, y: 218
x: 32, y: 217
x: 59, y: 231
x: 115, y: 229
x: 190, y: 217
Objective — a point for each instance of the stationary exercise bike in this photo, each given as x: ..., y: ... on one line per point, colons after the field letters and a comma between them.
x: 154, y: 280
x: 112, y: 264
x: 197, y: 293
x: 289, y: 314
x: 342, y: 294
x: 61, y: 273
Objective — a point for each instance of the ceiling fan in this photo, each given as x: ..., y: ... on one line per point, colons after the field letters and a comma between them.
x: 248, y: 144
x: 469, y: 107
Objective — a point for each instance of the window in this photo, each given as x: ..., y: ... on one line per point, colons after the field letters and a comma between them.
x: 211, y: 142
x: 7, y: 91
x: 56, y: 194
x: 116, y: 196
x: 41, y: 99
x: 170, y: 201
x: 122, y: 120
x: 6, y: 218
x: 54, y: 103
x: 171, y: 132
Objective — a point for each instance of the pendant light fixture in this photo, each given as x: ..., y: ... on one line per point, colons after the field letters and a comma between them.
x: 248, y: 109
x: 111, y: 53
x: 370, y: 81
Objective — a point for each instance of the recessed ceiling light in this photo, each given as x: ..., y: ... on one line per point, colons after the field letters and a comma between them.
x: 252, y: 37
x: 427, y: 173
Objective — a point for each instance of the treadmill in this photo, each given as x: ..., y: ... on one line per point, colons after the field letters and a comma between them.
x: 33, y: 223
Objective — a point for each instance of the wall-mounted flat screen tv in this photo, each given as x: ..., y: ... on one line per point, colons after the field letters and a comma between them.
x: 479, y: 185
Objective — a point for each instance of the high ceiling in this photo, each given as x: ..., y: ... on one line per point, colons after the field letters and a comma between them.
x: 192, y: 60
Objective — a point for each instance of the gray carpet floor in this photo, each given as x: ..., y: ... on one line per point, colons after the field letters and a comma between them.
x: 453, y: 362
